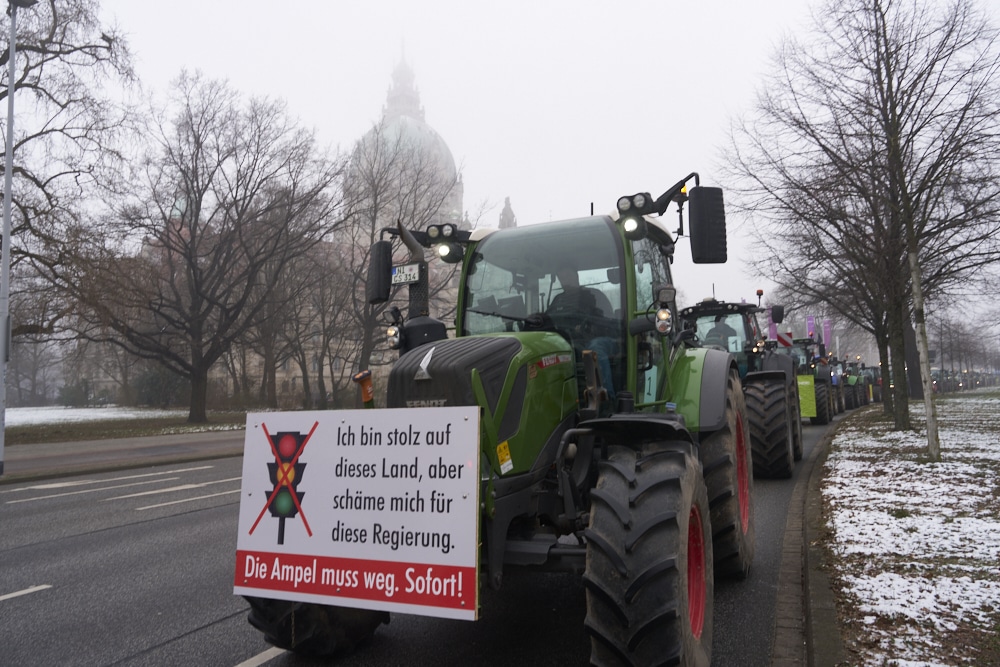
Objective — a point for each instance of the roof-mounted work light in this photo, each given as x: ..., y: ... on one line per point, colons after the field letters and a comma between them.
x: 631, y: 210
x: 450, y: 252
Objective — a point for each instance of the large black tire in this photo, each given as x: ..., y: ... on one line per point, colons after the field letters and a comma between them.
x: 771, y: 438
x: 840, y: 398
x: 796, y: 411
x: 822, y: 404
x: 313, y: 629
x: 850, y: 397
x: 728, y: 463
x: 648, y: 578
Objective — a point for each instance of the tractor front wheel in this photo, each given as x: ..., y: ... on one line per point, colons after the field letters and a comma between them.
x: 822, y: 404
x: 313, y: 629
x: 771, y: 437
x: 728, y: 463
x: 648, y: 578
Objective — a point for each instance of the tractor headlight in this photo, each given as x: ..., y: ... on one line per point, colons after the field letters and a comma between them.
x: 635, y: 228
x: 664, y: 320
x: 393, y: 337
x: 450, y: 252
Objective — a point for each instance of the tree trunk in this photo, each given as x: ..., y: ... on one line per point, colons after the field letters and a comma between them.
x: 197, y: 413
x: 933, y: 440
x: 269, y: 388
x: 897, y: 350
x: 322, y: 403
x: 307, y: 401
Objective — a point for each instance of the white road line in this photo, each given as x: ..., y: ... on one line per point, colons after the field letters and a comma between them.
x: 171, y: 489
x: 261, y: 658
x: 187, y: 500
x: 82, y: 482
x: 26, y: 591
x: 102, y: 488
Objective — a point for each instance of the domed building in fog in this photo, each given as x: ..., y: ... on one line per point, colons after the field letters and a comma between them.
x: 403, y: 132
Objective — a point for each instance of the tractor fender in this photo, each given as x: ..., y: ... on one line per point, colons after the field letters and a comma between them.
x: 628, y: 428
x: 714, y: 380
x: 763, y: 376
x: 779, y: 362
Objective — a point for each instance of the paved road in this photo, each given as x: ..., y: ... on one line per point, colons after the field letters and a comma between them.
x: 135, y: 567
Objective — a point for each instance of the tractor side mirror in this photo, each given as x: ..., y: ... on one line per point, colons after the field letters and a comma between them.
x: 777, y: 314
x: 378, y: 281
x: 707, y: 225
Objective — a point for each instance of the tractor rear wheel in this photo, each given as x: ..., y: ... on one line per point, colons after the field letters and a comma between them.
x: 796, y: 416
x: 850, y: 397
x: 822, y: 404
x: 648, y: 578
x: 770, y: 429
x: 728, y: 463
x: 313, y: 629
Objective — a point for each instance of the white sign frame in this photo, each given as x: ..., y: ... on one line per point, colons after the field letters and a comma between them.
x: 388, y: 519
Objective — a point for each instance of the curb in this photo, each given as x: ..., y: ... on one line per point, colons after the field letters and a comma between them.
x: 824, y: 644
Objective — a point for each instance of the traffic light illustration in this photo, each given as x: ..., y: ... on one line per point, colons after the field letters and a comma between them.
x: 284, y: 500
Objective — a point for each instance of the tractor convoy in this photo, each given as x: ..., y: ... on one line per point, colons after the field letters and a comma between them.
x: 618, y: 439
x: 770, y: 390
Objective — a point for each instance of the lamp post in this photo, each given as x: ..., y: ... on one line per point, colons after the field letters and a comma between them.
x: 5, y: 241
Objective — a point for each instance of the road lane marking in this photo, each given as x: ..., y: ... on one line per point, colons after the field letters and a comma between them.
x: 60, y: 485
x: 187, y: 500
x: 261, y: 658
x: 26, y: 591
x: 171, y: 489
x: 102, y: 488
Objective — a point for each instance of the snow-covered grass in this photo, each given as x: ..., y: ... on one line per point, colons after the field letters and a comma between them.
x: 916, y: 544
x: 60, y: 415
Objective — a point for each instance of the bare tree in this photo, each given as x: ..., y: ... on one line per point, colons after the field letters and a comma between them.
x: 232, y: 193
x: 71, y: 81
x: 391, y: 178
x: 872, y: 164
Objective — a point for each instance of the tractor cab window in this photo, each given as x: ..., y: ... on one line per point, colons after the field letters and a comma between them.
x: 652, y: 271
x: 566, y: 275
x: 723, y: 330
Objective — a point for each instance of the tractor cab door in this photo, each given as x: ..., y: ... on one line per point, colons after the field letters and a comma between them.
x: 649, y: 350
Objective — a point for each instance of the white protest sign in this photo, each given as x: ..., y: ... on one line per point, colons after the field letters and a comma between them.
x: 376, y: 509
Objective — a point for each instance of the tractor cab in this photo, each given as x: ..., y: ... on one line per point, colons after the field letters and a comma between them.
x: 733, y: 327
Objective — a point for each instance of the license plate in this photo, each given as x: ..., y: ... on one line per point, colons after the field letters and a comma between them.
x: 403, y: 275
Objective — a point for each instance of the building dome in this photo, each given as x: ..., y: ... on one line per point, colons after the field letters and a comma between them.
x: 403, y: 124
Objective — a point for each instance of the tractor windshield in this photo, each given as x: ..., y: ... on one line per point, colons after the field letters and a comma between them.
x: 519, y: 272
x: 723, y: 329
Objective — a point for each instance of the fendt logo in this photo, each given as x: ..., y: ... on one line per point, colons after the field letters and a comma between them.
x: 285, y: 500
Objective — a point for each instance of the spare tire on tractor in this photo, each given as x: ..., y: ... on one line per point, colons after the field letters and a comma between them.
x: 728, y: 461
x: 648, y: 577
x: 313, y: 629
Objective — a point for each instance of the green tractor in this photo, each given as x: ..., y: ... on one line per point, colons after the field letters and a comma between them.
x: 611, y: 444
x: 856, y: 384
x: 769, y: 386
x: 817, y: 397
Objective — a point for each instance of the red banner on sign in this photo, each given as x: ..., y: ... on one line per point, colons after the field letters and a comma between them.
x: 420, y: 584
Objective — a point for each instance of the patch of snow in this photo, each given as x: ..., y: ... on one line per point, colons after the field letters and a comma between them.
x: 60, y: 415
x: 918, y: 542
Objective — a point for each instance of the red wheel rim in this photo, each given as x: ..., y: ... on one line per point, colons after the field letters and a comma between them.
x: 743, y: 474
x: 696, y: 573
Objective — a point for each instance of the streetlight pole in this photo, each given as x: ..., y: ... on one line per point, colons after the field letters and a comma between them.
x: 5, y: 241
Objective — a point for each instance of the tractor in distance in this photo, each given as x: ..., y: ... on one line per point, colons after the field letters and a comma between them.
x: 769, y: 385
x: 856, y: 384
x: 814, y: 378
x: 611, y: 445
